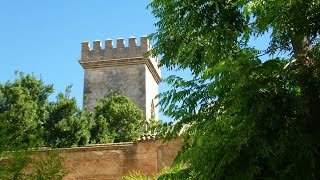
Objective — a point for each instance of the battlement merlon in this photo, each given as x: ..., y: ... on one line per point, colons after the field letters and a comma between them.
x: 110, y: 52
x: 120, y: 55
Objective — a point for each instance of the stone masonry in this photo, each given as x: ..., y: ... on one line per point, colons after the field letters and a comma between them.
x: 126, y: 70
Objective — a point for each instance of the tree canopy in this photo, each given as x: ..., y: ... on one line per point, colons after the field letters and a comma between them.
x: 67, y: 125
x: 23, y: 113
x: 29, y: 120
x: 243, y: 117
x: 118, y: 119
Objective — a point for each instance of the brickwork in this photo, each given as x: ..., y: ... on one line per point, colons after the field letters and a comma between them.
x: 126, y: 70
x: 112, y: 161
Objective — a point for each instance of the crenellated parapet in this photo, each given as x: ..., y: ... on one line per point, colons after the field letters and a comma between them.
x: 110, y: 52
x: 120, y: 55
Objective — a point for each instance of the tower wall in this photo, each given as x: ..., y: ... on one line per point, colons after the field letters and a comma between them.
x: 126, y: 70
x: 151, y: 92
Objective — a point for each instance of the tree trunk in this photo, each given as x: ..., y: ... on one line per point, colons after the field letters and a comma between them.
x: 309, y: 92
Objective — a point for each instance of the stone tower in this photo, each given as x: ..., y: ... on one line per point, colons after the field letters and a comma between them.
x: 126, y: 70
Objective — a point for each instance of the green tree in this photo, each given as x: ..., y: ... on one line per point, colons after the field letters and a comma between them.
x: 117, y: 119
x: 28, y: 119
x: 158, y: 128
x: 154, y: 126
x: 23, y: 111
x: 244, y: 117
x: 67, y: 125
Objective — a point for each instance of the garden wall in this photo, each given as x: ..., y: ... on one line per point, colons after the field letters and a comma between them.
x: 112, y: 161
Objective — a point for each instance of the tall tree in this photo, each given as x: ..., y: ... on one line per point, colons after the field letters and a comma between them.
x: 67, y: 125
x: 244, y: 117
x: 117, y: 119
x: 23, y: 111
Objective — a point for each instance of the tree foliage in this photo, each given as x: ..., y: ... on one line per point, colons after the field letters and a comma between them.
x: 243, y: 117
x: 29, y: 120
x: 67, y: 125
x: 117, y: 119
x: 23, y: 111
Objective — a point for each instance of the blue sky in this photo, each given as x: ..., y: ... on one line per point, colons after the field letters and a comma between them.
x: 44, y: 37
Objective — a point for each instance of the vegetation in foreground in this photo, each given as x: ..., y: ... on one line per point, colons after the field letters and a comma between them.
x: 251, y: 113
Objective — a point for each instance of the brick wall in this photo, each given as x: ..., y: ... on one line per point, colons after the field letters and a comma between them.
x: 112, y: 161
